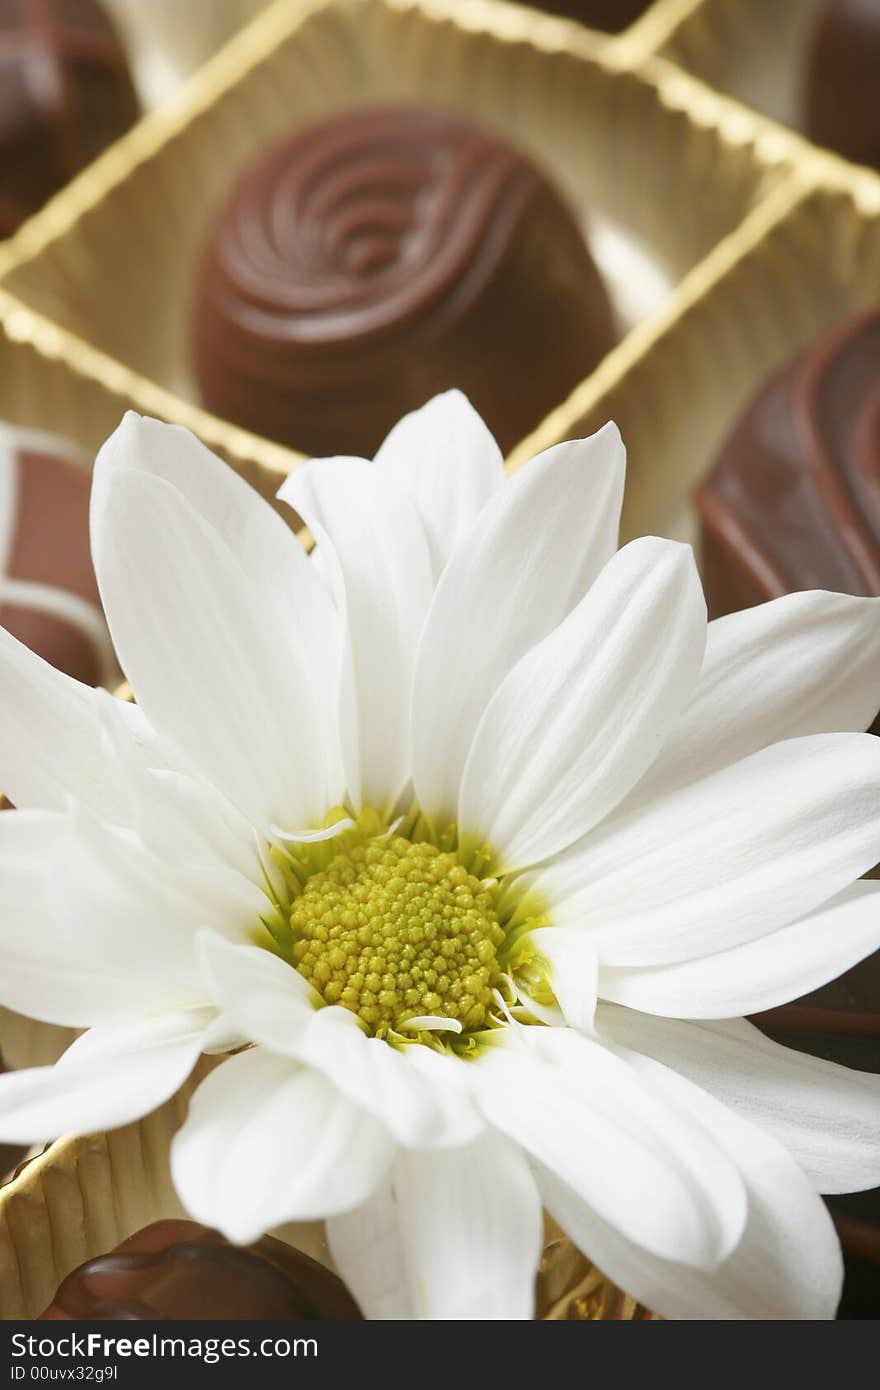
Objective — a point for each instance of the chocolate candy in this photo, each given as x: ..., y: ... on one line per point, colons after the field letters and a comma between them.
x: 793, y: 502
x: 610, y: 15
x: 841, y: 1022
x: 48, y: 594
x: 380, y: 257
x: 175, y: 1270
x: 65, y: 95
x: 843, y: 82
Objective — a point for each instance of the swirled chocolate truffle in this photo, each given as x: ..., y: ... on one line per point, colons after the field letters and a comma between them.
x: 841, y: 1022
x: 793, y: 501
x: 176, y: 1270
x: 380, y: 257
x: 65, y: 95
x: 843, y: 80
x: 48, y: 592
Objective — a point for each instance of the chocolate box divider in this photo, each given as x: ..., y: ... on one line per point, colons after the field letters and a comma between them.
x: 585, y: 405
x: 44, y: 236
x: 756, y: 284
x: 261, y: 461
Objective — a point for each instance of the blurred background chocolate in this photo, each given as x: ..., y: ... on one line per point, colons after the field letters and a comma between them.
x: 841, y: 1022
x: 843, y: 82
x: 48, y: 593
x: 174, y: 1270
x: 610, y: 15
x: 65, y: 95
x: 380, y: 257
x: 793, y: 501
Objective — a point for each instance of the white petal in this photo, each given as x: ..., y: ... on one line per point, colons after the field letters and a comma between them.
x: 827, y: 1116
x: 186, y: 821
x: 787, y: 1263
x: 382, y: 551
x: 367, y: 1249
x: 62, y: 959
x: 582, y: 715
x: 807, y: 663
x: 725, y: 860
x: 114, y: 900
x: 445, y: 458
x: 267, y: 1000
x: 381, y: 1078
x: 584, y: 1114
x: 471, y: 1227
x: 248, y: 528
x: 573, y: 974
x: 268, y: 1141
x: 533, y: 552
x: 272, y: 1004
x: 52, y: 746
x: 109, y: 1077
x: 221, y: 665
x: 759, y: 974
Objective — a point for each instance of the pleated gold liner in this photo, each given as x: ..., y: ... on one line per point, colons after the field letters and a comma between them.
x: 754, y: 50
x: 168, y: 41
x: 82, y: 1197
x: 111, y: 260
x: 804, y: 260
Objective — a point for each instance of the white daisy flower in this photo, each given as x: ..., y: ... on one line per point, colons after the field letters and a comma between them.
x: 471, y: 844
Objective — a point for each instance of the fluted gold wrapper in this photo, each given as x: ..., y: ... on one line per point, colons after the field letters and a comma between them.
x: 805, y: 259
x: 752, y: 50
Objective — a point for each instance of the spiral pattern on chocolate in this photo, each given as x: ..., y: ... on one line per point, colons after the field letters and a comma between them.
x: 374, y: 259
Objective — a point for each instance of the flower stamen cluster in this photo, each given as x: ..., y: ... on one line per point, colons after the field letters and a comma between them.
x: 393, y: 929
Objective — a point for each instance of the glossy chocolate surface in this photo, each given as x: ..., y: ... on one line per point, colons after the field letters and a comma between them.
x: 793, y: 501
x: 380, y: 257
x: 48, y: 592
x: 843, y: 82
x: 174, y: 1270
x: 65, y: 95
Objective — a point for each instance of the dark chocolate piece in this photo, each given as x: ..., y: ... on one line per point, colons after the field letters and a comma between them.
x: 175, y: 1270
x: 843, y: 82
x: 48, y: 593
x: 380, y: 257
x: 610, y: 15
x: 793, y: 501
x: 841, y: 1022
x: 65, y: 95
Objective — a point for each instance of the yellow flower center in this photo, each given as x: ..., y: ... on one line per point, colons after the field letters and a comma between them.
x: 393, y: 930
